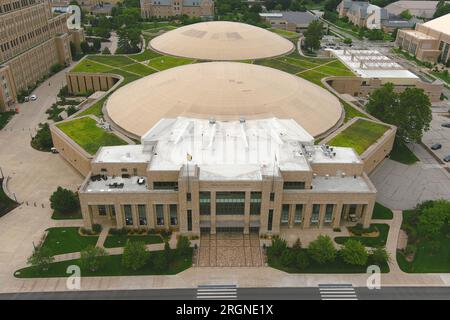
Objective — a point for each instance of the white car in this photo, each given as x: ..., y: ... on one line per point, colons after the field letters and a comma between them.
x: 33, y: 97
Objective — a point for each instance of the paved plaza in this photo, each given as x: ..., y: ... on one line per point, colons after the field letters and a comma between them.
x: 230, y: 249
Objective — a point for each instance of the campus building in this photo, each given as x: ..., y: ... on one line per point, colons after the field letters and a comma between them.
x: 418, y: 8
x: 32, y: 40
x: 374, y: 69
x: 294, y: 21
x: 170, y: 8
x: 429, y: 41
x: 234, y: 153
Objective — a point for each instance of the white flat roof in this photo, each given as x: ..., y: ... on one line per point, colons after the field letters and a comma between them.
x: 340, y: 184
x: 124, y: 154
x: 372, y: 64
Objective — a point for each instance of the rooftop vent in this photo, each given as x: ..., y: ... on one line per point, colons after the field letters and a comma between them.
x: 212, y: 121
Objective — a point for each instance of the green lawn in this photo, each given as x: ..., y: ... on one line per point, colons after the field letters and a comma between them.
x: 337, y: 266
x: 112, y: 267
x: 313, y: 76
x: 381, y: 212
x: 95, y: 109
x: 140, y: 69
x: 116, y: 240
x: 285, y: 33
x: 167, y: 62
x: 66, y: 216
x: 359, y: 136
x: 443, y: 76
x: 90, y: 66
x: 401, y: 153
x: 5, y: 117
x: 144, y: 56
x: 112, y: 60
x: 84, y: 132
x: 67, y: 240
x: 426, y: 260
x: 280, y: 65
x: 6, y: 204
x: 334, y: 71
x: 351, y: 112
x: 369, y: 241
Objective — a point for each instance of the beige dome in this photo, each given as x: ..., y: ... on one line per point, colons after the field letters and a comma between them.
x: 224, y: 91
x: 221, y: 40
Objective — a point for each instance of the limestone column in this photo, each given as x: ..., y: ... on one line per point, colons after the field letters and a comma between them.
x: 322, y: 214
x: 367, y: 214
x: 166, y: 216
x: 120, y: 221
x: 150, y: 216
x: 307, y: 210
x: 247, y: 212
x: 87, y: 216
x: 291, y: 215
x: 134, y: 214
x: 213, y: 217
x: 337, y: 215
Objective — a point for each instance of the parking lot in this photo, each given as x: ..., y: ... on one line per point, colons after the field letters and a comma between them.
x: 439, y: 134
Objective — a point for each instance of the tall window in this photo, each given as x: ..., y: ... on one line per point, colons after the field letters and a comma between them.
x: 101, y: 210
x: 255, y: 203
x: 142, y: 212
x: 285, y: 214
x: 165, y: 185
x: 328, y: 213
x: 173, y: 209
x: 128, y: 215
x: 230, y: 203
x: 112, y: 209
x: 189, y: 220
x: 270, y: 220
x: 298, y: 213
x: 315, y: 213
x: 272, y: 196
x: 159, y: 208
x: 205, y: 203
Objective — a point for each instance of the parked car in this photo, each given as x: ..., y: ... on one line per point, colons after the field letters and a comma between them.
x: 447, y: 158
x: 26, y: 99
x: 436, y: 146
x: 53, y: 150
x: 446, y: 125
x: 33, y: 97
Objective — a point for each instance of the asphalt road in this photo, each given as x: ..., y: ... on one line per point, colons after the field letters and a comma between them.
x: 388, y: 293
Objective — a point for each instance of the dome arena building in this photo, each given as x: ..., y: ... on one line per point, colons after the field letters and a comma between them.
x: 223, y: 91
x: 222, y: 40
x: 225, y: 146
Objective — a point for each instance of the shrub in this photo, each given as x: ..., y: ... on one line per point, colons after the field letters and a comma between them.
x: 410, y: 249
x: 64, y: 201
x: 287, y: 258
x: 322, y: 249
x: 297, y: 246
x: 160, y: 262
x: 41, y: 258
x: 91, y: 258
x: 43, y: 139
x: 354, y: 253
x: 358, y: 230
x: 279, y: 245
x: 135, y: 255
x: 96, y: 228
x: 380, y: 255
x: 115, y: 231
x: 183, y: 246
x: 302, y: 260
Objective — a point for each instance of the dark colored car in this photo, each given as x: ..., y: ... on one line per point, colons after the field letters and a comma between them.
x: 446, y: 125
x: 447, y: 158
x: 436, y: 146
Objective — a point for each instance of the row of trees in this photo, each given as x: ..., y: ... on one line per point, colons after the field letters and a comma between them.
x: 322, y: 251
x: 135, y: 256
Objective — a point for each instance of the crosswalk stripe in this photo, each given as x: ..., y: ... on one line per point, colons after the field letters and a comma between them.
x: 337, y: 292
x: 222, y: 292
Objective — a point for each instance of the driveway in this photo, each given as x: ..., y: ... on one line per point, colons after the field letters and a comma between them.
x: 34, y: 175
x: 439, y: 134
x: 401, y: 186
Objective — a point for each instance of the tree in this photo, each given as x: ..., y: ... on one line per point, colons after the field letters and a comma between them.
x: 134, y: 255
x: 106, y: 50
x: 160, y: 262
x: 85, y: 47
x: 183, y: 246
x: 287, y: 258
x: 380, y: 255
x: 432, y: 219
x: 354, y: 253
x: 313, y: 35
x: 297, y: 247
x: 129, y: 40
x: 322, y: 249
x: 64, y: 201
x: 442, y: 8
x: 43, y: 138
x: 92, y: 258
x: 405, y: 14
x: 279, y: 245
x: 97, y: 44
x: 409, y: 110
x: 41, y: 258
x: 302, y: 260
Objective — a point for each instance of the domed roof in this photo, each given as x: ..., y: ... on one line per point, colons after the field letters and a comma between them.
x: 221, y: 41
x: 224, y: 91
